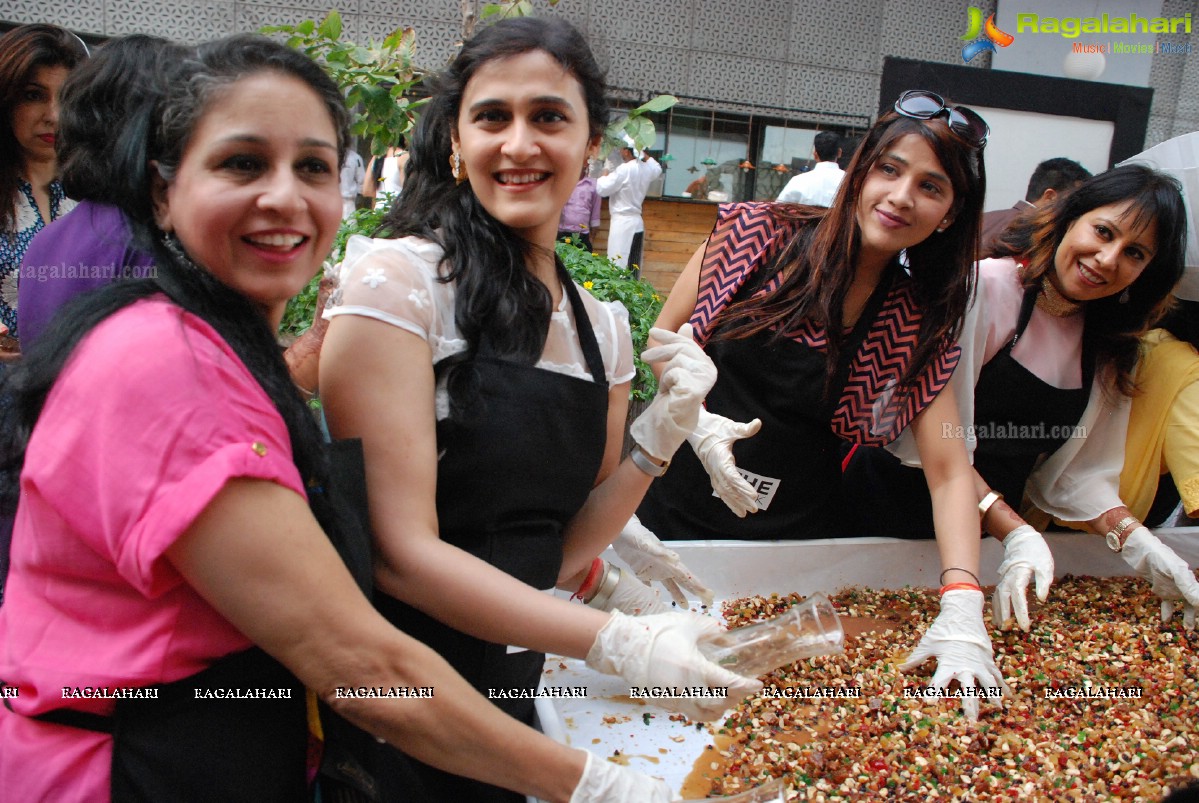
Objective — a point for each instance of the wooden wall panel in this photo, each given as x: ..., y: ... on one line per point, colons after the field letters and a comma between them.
x: 674, y: 228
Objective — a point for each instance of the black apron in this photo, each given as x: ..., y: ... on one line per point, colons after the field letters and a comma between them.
x: 1018, y: 417
x: 1011, y: 400
x: 510, y: 476
x: 795, y: 455
x: 181, y: 747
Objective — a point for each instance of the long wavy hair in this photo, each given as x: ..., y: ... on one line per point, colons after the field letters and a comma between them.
x: 1112, y: 330
x: 818, y: 264
x: 494, y: 292
x: 22, y: 52
x: 200, y: 82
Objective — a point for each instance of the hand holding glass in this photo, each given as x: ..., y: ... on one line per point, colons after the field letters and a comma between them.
x: 806, y: 630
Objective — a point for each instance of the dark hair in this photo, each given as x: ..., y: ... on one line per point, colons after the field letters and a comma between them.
x: 1112, y: 330
x: 819, y: 263
x: 1059, y: 174
x: 23, y: 51
x: 1182, y: 321
x: 106, y: 110
x: 202, y: 78
x: 827, y: 145
x: 495, y: 293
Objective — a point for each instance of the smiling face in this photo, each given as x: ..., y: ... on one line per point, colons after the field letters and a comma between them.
x: 1102, y: 253
x: 523, y: 136
x: 35, y: 117
x: 906, y: 196
x: 255, y: 198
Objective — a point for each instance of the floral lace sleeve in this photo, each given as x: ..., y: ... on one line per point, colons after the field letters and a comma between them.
x: 395, y: 281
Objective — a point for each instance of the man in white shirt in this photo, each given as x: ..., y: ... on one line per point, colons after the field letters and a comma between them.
x: 353, y: 171
x: 625, y: 189
x: 819, y: 185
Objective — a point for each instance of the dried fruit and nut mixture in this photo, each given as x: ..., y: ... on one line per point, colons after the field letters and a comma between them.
x: 1099, y: 635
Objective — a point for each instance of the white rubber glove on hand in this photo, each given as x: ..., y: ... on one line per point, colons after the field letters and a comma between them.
x: 958, y: 640
x: 651, y: 561
x: 685, y: 379
x: 1169, y: 575
x: 631, y: 596
x: 662, y: 650
x: 712, y: 440
x: 1025, y: 555
x: 605, y: 782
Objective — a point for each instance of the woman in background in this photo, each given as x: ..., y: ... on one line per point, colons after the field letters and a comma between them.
x: 106, y: 106
x: 34, y: 63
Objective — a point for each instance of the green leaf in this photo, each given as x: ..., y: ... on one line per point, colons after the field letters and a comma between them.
x: 306, y: 27
x: 641, y: 129
x: 658, y: 104
x: 331, y: 26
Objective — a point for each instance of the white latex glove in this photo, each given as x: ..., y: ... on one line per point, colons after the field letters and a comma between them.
x: 1169, y: 575
x: 1025, y: 555
x: 661, y: 650
x: 632, y: 596
x: 958, y: 640
x: 605, y: 782
x: 651, y: 561
x: 712, y: 440
x: 685, y: 379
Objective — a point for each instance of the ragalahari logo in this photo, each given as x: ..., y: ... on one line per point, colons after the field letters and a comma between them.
x: 982, y: 37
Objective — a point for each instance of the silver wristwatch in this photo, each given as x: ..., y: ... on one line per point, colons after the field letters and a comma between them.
x: 1114, y: 535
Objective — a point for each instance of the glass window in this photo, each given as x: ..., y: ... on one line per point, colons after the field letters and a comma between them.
x: 786, y: 152
x: 707, y: 147
x: 709, y: 150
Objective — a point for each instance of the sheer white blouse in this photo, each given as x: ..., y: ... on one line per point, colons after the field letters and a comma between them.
x: 396, y: 282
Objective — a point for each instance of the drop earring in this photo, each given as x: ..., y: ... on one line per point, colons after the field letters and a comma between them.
x: 1125, y: 296
x: 456, y: 168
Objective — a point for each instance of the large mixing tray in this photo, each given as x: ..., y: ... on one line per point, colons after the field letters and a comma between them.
x: 608, y: 723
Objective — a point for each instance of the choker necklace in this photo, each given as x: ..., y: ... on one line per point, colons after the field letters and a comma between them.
x: 1051, y: 300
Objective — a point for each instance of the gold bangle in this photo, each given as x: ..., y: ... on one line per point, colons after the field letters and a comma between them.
x: 987, y: 503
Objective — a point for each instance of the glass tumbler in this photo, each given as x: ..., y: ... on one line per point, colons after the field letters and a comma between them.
x: 806, y: 630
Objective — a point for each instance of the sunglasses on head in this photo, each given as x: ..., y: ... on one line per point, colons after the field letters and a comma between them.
x: 920, y: 104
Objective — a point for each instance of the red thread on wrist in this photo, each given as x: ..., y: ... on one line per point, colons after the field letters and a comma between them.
x: 597, y: 568
x: 959, y: 587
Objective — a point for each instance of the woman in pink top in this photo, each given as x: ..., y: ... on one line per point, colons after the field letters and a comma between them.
x: 172, y: 593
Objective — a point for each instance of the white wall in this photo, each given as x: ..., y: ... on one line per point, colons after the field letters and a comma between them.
x: 1021, y: 140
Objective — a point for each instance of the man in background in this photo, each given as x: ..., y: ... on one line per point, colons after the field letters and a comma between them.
x: 581, y: 215
x: 1050, y: 179
x: 625, y: 189
x: 817, y: 186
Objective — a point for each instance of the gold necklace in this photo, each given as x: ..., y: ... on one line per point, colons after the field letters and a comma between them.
x: 1051, y: 300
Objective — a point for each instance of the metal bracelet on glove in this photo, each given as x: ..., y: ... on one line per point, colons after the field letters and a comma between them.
x: 606, y: 586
